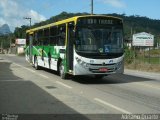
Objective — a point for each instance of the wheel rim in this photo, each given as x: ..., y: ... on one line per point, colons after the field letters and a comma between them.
x: 61, y: 70
x: 36, y: 63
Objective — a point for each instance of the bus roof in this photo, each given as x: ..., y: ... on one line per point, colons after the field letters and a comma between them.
x: 66, y: 21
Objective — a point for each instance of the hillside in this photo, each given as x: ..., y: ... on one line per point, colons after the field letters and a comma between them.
x: 136, y: 23
x: 4, y: 29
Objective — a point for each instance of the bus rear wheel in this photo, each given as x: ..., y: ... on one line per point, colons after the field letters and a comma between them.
x: 62, y: 73
x: 36, y: 66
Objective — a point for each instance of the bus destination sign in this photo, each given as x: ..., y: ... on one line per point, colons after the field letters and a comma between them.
x: 99, y: 21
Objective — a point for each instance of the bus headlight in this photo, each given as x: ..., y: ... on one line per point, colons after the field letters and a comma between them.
x: 82, y: 63
x: 87, y: 65
x: 78, y: 60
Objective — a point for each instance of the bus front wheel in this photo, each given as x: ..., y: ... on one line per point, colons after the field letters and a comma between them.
x: 62, y: 73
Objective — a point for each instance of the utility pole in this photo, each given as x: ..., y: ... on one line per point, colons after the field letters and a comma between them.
x: 1, y: 49
x: 28, y: 18
x: 30, y: 41
x: 91, y: 7
x: 10, y: 38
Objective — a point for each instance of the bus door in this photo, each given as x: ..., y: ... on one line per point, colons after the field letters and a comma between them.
x: 70, y: 45
x: 30, y: 46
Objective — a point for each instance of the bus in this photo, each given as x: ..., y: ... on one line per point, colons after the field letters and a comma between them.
x: 81, y: 45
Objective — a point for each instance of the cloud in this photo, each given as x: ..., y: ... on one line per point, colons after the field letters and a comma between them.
x: 35, y: 16
x: 12, y: 13
x: 2, y: 21
x: 115, y: 3
x: 8, y: 7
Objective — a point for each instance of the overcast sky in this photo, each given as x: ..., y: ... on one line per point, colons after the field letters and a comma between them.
x: 13, y: 11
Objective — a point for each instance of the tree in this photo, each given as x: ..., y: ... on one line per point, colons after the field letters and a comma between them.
x: 20, y: 32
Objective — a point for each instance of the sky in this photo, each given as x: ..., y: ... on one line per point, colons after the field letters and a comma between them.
x: 12, y: 12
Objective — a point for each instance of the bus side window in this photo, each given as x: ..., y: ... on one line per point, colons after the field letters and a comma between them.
x: 61, y: 35
x: 40, y: 37
x: 53, y: 34
x: 27, y: 39
x: 46, y: 36
x: 35, y: 39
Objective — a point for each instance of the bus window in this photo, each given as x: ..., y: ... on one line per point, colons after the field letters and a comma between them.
x: 61, y: 36
x: 27, y: 39
x: 40, y: 37
x: 53, y: 35
x: 35, y: 39
x: 46, y: 36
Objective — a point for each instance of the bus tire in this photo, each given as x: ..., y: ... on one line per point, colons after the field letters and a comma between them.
x: 62, y: 73
x: 36, y: 66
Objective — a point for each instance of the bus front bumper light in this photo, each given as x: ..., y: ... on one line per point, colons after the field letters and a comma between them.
x: 118, y: 66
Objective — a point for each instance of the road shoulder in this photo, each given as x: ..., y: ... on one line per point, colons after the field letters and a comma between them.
x: 143, y: 74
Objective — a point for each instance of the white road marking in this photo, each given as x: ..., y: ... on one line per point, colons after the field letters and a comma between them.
x: 25, y: 68
x: 112, y: 106
x: 43, y: 76
x: 64, y: 84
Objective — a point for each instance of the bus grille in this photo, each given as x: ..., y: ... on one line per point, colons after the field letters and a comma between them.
x: 95, y: 68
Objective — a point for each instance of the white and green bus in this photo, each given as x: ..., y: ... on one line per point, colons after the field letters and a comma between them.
x: 81, y: 45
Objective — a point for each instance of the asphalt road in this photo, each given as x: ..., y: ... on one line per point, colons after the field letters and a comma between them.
x: 24, y: 90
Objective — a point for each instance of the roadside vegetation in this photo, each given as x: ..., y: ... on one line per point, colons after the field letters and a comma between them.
x: 143, y: 61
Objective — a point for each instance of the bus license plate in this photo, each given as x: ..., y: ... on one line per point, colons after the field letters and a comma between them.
x: 103, y: 69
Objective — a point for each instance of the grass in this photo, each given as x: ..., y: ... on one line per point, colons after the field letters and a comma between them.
x: 151, y: 60
x: 144, y: 64
x: 154, y: 52
x: 142, y: 61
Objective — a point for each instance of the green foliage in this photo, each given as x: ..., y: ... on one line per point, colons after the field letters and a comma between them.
x: 154, y: 52
x: 5, y: 41
x: 140, y: 24
x: 20, y: 32
x: 129, y: 55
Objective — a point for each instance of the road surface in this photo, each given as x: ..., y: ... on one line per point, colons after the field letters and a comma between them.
x: 24, y: 90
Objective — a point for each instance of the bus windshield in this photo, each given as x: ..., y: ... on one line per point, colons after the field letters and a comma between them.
x: 99, y: 40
